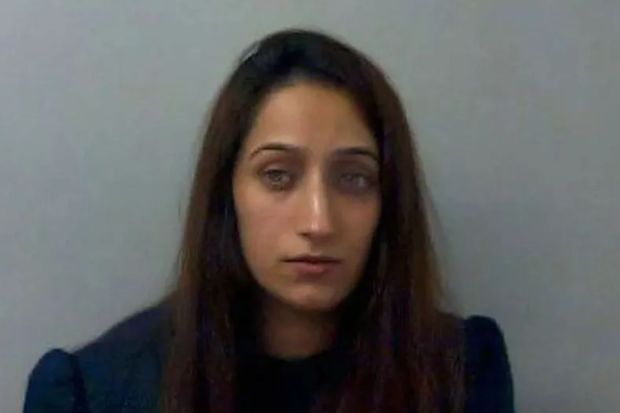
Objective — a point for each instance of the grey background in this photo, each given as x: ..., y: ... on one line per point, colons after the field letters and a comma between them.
x: 515, y: 104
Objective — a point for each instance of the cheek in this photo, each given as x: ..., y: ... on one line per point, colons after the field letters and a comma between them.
x: 260, y: 226
x: 361, y: 221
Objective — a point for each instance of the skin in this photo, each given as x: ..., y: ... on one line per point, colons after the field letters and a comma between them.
x: 296, y: 192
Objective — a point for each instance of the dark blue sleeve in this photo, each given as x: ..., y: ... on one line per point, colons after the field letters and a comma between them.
x: 55, y: 385
x: 489, y: 382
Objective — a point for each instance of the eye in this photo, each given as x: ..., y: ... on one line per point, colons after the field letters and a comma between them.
x: 277, y: 178
x: 356, y: 181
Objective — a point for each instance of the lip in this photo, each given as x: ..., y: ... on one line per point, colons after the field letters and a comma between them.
x: 313, y: 264
x: 312, y: 268
x: 313, y: 259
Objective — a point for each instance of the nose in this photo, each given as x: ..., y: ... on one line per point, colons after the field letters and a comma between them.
x: 316, y: 220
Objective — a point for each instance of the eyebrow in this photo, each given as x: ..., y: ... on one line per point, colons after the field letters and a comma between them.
x: 352, y: 150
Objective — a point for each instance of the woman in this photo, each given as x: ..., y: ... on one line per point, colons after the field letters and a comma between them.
x: 307, y: 277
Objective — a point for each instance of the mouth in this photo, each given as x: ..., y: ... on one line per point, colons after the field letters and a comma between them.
x: 308, y: 265
x: 314, y: 259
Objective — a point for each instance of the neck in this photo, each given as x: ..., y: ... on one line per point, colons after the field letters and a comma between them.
x: 289, y: 333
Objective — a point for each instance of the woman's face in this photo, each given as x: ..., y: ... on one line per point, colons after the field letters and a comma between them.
x: 306, y: 183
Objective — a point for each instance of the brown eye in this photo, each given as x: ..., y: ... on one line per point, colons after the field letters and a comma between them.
x: 277, y: 178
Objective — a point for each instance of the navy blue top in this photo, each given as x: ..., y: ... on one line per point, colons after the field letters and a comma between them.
x: 120, y: 372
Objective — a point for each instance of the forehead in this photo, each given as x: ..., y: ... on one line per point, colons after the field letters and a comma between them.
x: 317, y: 117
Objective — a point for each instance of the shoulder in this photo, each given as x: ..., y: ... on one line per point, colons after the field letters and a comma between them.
x: 122, y: 367
x: 118, y: 371
x: 55, y: 385
x: 488, y: 375
x: 125, y: 340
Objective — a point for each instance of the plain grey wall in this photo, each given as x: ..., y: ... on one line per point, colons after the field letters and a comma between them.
x: 516, y: 107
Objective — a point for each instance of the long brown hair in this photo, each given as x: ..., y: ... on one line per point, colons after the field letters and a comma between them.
x: 406, y: 353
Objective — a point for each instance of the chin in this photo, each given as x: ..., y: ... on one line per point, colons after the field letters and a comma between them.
x: 308, y: 299
x: 314, y: 303
x: 314, y: 307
